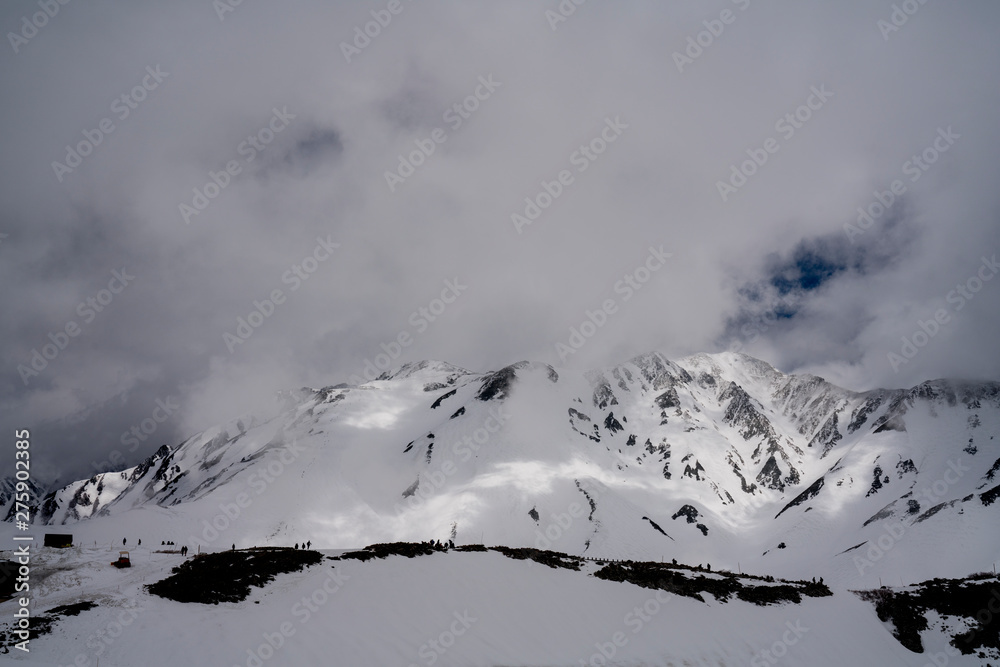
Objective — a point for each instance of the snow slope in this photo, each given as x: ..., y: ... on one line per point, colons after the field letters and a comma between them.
x: 718, y: 458
x: 451, y: 608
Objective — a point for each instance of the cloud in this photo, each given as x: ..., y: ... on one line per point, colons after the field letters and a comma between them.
x: 323, y: 175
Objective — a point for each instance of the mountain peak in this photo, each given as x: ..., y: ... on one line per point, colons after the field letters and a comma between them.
x: 428, y: 370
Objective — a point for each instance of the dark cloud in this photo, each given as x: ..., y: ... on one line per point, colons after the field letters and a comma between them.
x: 317, y: 146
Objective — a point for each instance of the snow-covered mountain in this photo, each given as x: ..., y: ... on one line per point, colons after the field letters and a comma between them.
x: 8, y: 497
x: 712, y: 458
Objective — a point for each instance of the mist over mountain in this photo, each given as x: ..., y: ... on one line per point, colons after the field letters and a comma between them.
x: 717, y: 457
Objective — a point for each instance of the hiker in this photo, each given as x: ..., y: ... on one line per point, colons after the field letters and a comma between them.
x: 234, y: 546
x: 296, y: 545
x: 123, y: 540
x: 140, y: 542
x: 309, y: 544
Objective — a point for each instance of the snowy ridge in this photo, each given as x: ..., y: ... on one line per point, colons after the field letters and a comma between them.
x: 712, y: 458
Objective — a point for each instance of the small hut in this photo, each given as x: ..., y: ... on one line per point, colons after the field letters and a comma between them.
x: 8, y: 573
x: 58, y: 540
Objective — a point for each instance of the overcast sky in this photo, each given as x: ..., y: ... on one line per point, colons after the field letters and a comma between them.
x: 648, y: 131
